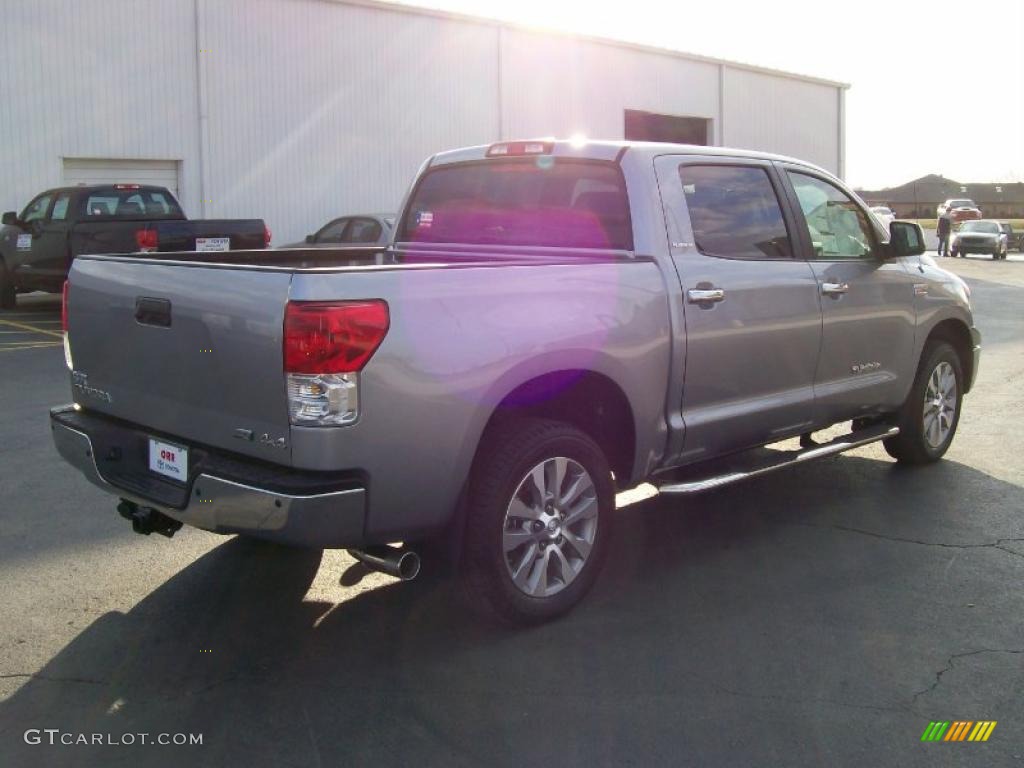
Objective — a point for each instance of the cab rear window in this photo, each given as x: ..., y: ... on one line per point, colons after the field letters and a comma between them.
x: 129, y: 203
x: 530, y: 201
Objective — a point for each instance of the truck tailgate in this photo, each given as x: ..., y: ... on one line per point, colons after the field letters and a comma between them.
x: 190, y: 350
x: 242, y: 234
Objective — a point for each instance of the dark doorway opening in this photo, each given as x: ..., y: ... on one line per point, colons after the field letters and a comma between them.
x: 650, y: 126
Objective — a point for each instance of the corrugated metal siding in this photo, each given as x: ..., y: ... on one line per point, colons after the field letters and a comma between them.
x: 319, y: 109
x: 554, y: 86
x: 316, y: 108
x: 110, y: 79
x: 774, y: 114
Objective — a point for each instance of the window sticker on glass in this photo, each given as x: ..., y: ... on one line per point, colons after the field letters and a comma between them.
x: 24, y: 242
x: 424, y: 219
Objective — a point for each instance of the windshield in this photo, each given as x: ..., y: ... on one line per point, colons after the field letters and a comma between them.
x: 988, y: 227
x: 530, y: 201
x: 961, y: 203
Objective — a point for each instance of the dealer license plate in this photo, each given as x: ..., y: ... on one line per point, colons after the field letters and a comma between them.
x: 168, y: 459
x: 213, y: 243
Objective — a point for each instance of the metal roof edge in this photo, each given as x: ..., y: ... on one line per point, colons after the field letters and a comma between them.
x: 419, y: 10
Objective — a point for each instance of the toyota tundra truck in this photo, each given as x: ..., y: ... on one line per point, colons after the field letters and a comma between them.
x: 552, y: 323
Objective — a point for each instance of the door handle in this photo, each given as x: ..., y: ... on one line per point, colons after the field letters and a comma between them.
x: 834, y: 289
x: 703, y: 295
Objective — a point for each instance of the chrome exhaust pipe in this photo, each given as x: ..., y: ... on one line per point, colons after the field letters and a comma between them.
x: 401, y: 563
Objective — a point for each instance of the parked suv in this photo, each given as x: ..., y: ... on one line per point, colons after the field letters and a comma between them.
x: 551, y: 324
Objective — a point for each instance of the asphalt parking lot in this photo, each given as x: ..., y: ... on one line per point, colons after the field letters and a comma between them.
x: 821, y: 616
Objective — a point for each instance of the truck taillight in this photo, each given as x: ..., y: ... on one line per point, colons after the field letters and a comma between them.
x: 267, y: 236
x: 326, y: 344
x: 64, y: 325
x: 146, y: 240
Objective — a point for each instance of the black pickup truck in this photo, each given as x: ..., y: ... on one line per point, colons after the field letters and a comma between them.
x: 37, y: 247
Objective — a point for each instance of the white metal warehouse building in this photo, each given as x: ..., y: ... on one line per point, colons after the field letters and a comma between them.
x: 297, y: 111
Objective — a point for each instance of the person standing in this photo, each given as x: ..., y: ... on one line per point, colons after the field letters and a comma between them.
x: 942, y: 229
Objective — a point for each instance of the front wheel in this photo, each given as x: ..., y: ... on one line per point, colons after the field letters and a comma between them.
x: 538, y: 519
x: 931, y: 412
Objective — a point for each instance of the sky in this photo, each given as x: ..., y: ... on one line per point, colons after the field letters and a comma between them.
x: 936, y: 87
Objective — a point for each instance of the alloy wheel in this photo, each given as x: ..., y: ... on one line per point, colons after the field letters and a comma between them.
x: 550, y: 527
x: 939, y: 404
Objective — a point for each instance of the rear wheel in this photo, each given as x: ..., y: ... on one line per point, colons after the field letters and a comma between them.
x: 931, y: 412
x: 8, y: 296
x: 538, y: 518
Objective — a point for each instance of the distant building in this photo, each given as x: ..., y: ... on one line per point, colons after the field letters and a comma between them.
x: 918, y: 199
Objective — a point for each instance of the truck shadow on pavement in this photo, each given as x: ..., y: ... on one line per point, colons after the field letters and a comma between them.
x: 796, y: 612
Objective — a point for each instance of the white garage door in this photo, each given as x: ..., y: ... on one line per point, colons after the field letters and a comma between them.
x: 91, y: 171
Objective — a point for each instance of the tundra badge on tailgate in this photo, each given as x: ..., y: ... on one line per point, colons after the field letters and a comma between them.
x: 80, y: 383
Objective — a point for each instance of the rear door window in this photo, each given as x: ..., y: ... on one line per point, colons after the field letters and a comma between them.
x: 363, y: 231
x: 60, y: 207
x: 529, y: 201
x: 734, y: 212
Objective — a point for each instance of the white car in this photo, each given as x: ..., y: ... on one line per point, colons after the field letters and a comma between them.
x: 884, y: 215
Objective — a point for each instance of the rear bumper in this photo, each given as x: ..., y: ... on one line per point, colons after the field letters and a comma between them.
x: 224, y: 493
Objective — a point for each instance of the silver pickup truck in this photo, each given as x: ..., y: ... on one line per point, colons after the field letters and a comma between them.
x: 551, y: 324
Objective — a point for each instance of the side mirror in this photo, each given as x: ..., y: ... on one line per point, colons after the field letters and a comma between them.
x: 905, y: 239
x: 10, y: 219
x: 311, y: 239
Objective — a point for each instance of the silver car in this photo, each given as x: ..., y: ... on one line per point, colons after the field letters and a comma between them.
x: 985, y: 236
x: 355, y: 230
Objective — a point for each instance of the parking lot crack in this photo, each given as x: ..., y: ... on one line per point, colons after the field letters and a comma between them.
x: 951, y: 662
x: 37, y: 676
x: 997, y: 544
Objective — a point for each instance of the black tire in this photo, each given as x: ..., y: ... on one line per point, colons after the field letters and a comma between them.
x: 911, y: 446
x: 509, y: 452
x: 8, y: 296
x: 954, y: 253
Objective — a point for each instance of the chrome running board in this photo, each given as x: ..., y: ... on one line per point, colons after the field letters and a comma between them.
x: 743, y: 466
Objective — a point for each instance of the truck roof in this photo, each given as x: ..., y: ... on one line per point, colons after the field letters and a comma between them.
x: 610, y: 150
x: 113, y: 185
